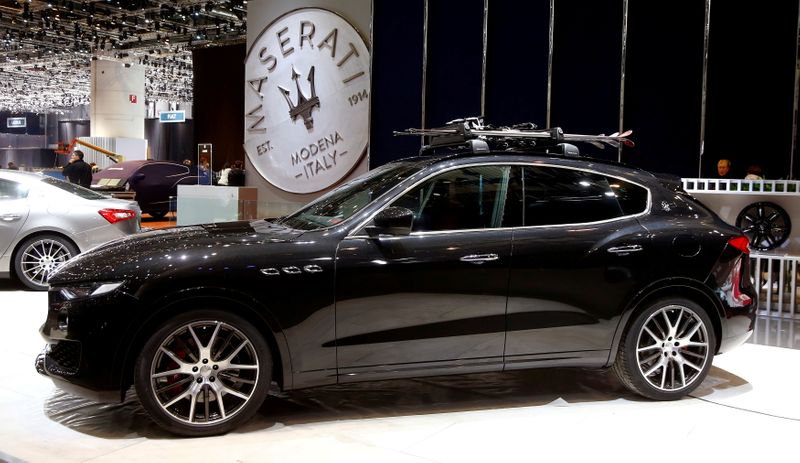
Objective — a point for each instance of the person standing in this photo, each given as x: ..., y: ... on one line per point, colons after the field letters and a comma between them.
x: 724, y: 168
x: 78, y: 171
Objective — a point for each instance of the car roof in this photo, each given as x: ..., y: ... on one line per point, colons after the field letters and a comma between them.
x: 124, y: 170
x: 21, y: 176
x: 521, y: 156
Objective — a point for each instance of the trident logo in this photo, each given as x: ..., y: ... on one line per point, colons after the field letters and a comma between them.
x: 304, y: 105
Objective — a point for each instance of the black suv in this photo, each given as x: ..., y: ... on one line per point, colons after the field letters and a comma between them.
x: 505, y: 255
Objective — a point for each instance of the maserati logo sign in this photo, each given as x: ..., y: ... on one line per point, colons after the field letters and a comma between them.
x: 306, y: 100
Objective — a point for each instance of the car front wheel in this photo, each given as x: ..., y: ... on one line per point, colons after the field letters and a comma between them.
x: 667, y: 350
x: 40, y: 256
x: 203, y: 373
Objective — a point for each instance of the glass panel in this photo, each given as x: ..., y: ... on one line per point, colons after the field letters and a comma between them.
x: 556, y: 196
x: 12, y: 190
x: 461, y: 199
x: 72, y: 188
x: 341, y: 203
x: 632, y: 198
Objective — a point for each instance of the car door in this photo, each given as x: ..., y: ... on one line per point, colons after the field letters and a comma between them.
x: 433, y: 300
x: 13, y: 212
x: 576, y: 261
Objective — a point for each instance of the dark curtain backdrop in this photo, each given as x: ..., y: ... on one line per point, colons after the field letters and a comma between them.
x: 587, y: 57
x: 751, y: 68
x: 397, y: 92
x: 455, y: 49
x: 663, y: 85
x: 516, y: 62
x: 170, y: 141
x: 218, y: 111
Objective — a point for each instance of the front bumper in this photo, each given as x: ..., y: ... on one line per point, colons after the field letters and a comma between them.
x: 86, y: 343
x: 45, y: 364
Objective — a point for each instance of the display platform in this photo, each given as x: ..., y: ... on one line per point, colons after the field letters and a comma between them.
x: 746, y: 410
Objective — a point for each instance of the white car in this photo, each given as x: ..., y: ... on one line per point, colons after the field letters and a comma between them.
x: 45, y: 221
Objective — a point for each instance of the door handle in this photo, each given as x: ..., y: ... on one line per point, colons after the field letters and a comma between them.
x: 479, y: 258
x: 627, y: 249
x: 10, y: 217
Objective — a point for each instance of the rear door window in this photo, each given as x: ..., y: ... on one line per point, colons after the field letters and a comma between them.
x: 555, y: 196
x: 12, y: 190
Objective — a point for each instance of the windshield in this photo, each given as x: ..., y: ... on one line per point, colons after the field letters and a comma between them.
x: 340, y: 204
x: 72, y: 188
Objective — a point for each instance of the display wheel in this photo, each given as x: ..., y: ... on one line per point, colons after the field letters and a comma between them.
x: 765, y: 224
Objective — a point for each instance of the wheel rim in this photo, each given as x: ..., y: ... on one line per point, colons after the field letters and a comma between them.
x: 42, y: 258
x: 672, y: 349
x: 204, y: 373
x: 765, y: 225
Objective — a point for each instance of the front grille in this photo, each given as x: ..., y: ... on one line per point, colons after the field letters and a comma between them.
x: 63, y: 358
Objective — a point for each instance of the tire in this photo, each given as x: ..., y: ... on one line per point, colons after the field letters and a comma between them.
x: 158, y: 215
x: 182, y: 393
x: 651, y: 338
x: 39, y: 256
x: 767, y: 225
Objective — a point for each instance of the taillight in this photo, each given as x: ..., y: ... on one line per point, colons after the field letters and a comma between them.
x: 741, y: 243
x: 117, y: 215
x: 739, y: 299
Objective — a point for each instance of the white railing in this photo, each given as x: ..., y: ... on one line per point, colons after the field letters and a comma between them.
x: 775, y: 280
x: 723, y: 186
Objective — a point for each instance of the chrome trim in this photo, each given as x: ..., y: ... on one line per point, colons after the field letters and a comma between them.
x: 551, y: 27
x: 627, y: 249
x: 270, y: 271
x: 706, y: 36
x: 291, y: 270
x: 479, y: 258
x: 622, y: 74
x: 513, y: 163
x: 313, y: 268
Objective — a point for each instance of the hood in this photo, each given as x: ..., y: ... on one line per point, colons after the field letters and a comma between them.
x: 149, y: 253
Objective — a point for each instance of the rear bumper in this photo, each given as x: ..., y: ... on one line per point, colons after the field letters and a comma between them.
x: 734, y: 341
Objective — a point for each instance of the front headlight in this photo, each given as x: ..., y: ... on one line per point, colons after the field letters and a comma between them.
x: 89, y: 290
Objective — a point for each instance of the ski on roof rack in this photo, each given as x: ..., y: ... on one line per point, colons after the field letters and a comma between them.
x: 478, y: 137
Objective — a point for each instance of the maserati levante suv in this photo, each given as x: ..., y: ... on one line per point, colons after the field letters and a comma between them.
x: 45, y: 221
x: 454, y: 261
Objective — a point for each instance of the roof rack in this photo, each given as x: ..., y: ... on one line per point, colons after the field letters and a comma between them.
x: 473, y: 135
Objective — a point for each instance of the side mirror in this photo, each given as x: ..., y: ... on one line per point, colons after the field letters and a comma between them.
x: 391, y: 221
x: 138, y: 177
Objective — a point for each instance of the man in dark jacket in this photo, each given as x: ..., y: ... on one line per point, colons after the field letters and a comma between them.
x: 78, y: 171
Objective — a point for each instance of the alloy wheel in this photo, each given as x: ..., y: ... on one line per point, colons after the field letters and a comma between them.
x: 41, y: 258
x: 766, y: 225
x: 673, y: 348
x: 204, y: 373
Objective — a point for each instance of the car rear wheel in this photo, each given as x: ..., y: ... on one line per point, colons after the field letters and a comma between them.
x: 203, y: 373
x: 40, y: 256
x: 667, y: 350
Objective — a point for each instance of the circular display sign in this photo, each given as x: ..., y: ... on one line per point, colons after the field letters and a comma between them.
x: 307, y: 85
